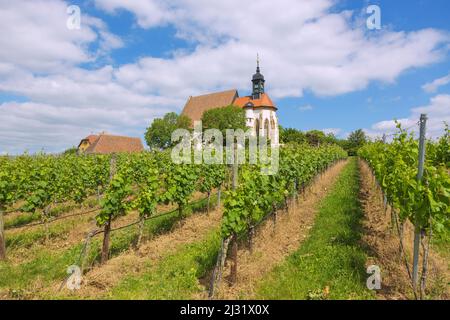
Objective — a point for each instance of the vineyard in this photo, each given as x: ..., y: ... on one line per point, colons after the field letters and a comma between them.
x: 422, y: 199
x: 140, y: 226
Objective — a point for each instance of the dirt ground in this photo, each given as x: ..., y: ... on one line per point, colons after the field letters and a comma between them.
x: 273, y: 244
x: 76, y: 228
x: 97, y: 282
x: 382, y: 241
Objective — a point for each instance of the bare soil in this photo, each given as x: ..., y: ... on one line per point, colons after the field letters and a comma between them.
x: 273, y: 243
x: 382, y: 241
x: 100, y: 280
x: 77, y: 228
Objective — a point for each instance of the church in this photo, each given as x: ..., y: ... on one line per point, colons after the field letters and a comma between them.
x: 259, y: 109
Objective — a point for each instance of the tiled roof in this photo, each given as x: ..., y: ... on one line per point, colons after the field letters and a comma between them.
x: 111, y: 144
x: 91, y: 139
x: 264, y: 101
x: 196, y: 106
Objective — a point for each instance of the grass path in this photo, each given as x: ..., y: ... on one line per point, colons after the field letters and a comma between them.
x: 176, y: 276
x: 330, y: 264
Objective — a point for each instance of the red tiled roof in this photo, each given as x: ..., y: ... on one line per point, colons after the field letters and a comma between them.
x: 196, y: 106
x: 111, y: 144
x: 91, y: 138
x: 264, y: 101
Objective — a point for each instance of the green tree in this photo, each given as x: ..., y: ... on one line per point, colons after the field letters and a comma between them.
x: 356, y: 140
x: 159, y: 134
x: 315, y: 137
x: 230, y: 117
x: 70, y: 151
x: 291, y: 135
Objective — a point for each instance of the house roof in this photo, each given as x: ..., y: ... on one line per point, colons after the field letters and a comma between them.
x: 111, y: 144
x: 196, y: 106
x: 248, y: 101
x: 91, y: 139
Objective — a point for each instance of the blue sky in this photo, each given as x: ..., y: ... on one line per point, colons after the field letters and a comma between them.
x: 132, y: 61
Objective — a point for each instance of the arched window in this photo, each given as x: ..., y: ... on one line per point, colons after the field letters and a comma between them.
x: 261, y: 124
x: 266, y: 127
x: 272, y: 123
x: 257, y: 127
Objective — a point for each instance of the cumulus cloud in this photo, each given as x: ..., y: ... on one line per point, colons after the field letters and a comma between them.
x: 36, y: 37
x: 304, y: 46
x: 307, y: 107
x: 437, y: 111
x: 334, y: 131
x: 433, y: 86
x: 54, y: 128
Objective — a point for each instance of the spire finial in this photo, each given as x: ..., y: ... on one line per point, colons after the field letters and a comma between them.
x: 257, y: 62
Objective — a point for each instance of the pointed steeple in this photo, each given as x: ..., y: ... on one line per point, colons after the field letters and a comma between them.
x: 257, y: 63
x: 258, y: 81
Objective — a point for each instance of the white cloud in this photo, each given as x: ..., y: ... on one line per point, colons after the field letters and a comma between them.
x: 33, y: 126
x: 304, y: 45
x: 335, y: 131
x: 35, y: 36
x: 437, y: 111
x: 67, y: 107
x: 148, y: 13
x: 433, y: 86
x: 307, y: 107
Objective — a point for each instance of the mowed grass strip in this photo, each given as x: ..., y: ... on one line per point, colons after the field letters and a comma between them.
x: 176, y: 276
x: 330, y: 264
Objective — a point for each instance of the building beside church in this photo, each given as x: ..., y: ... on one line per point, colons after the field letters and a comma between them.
x: 260, y: 110
x: 104, y: 143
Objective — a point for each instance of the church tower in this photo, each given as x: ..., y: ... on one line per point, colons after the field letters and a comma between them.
x: 258, y: 82
x: 260, y: 111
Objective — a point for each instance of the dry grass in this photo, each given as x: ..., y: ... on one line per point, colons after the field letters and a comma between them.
x: 73, y: 231
x: 273, y: 244
x: 383, y: 242
x: 99, y: 281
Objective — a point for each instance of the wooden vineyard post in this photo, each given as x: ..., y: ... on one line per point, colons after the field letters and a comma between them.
x: 234, y: 258
x: 46, y: 218
x: 251, y: 235
x: 275, y: 213
x: 141, y: 232
x: 218, y: 197
x: 112, y: 167
x: 417, y: 231
x: 209, y: 201
x: 105, y: 246
x: 217, y: 273
x: 85, y: 251
x: 107, y: 230
x: 2, y: 236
